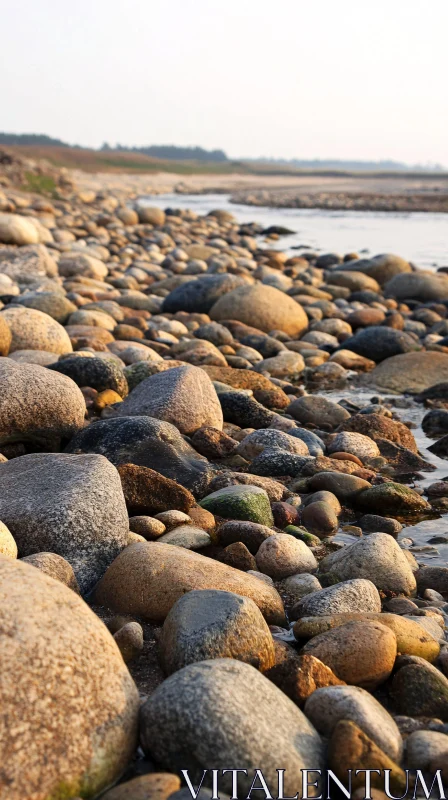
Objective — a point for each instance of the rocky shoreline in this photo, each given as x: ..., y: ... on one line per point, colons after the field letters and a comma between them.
x: 174, y: 475
x: 344, y: 201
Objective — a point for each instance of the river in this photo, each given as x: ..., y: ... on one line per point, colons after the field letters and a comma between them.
x: 420, y: 237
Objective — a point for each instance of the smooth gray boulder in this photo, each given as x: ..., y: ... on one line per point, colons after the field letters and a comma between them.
x: 38, y: 405
x: 330, y: 704
x: 358, y: 594
x: 224, y: 712
x: 210, y: 624
x: 182, y: 396
x: 66, y: 504
x: 378, y: 558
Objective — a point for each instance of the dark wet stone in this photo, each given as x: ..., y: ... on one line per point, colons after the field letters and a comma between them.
x: 149, y: 443
x: 379, y: 342
x: 244, y: 411
x: 201, y: 294
x: 435, y: 422
x: 374, y: 523
x: 97, y: 373
x: 274, y: 461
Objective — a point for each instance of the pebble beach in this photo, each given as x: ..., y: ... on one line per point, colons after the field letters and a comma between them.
x: 223, y: 505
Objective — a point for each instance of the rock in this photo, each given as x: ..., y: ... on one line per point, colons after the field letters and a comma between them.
x: 285, y: 365
x: 345, y: 487
x: 361, y: 653
x: 148, y: 492
x: 262, y: 307
x: 420, y: 690
x: 435, y: 423
x: 41, y: 357
x: 210, y: 624
x: 353, y: 280
x: 183, y: 396
x: 237, y: 555
x: 95, y: 372
x: 74, y: 263
x: 355, y: 443
x: 378, y: 558
x: 147, y: 579
x: 401, y: 460
x: 379, y: 342
x: 423, y: 285
x: 173, y: 519
x: 432, y: 578
x: 188, y: 536
x: 298, y: 586
x: 252, y: 534
x: 68, y: 668
x: 26, y: 264
x: 350, y: 745
x: 440, y: 448
x: 55, y: 304
x: 69, y: 505
x: 231, y: 709
x: 274, y: 461
x: 392, y: 498
x: 427, y: 751
x: 213, y: 443
x: 411, y: 638
x: 281, y: 555
x: 349, y: 360
x: 8, y: 547
x: 254, y: 444
x: 244, y: 411
x: 299, y: 676
x: 151, y: 215
x: 318, y: 411
x: 37, y: 405
x: 354, y: 595
x: 373, y: 523
x: 377, y: 427
x: 327, y: 706
x: 151, y: 786
x: 129, y: 639
x: 5, y: 337
x: 201, y: 294
x: 34, y: 330
x: 56, y: 567
x: 273, y: 488
x: 410, y: 372
x: 146, y: 442
x: 320, y: 518
x: 15, y: 229
x: 240, y: 502
x: 148, y: 527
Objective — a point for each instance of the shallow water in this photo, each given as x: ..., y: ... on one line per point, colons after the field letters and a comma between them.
x: 420, y: 237
x: 419, y: 532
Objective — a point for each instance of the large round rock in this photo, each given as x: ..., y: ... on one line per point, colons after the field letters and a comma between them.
x: 413, y: 372
x: 213, y: 624
x: 146, y: 442
x: 183, y: 396
x: 201, y: 294
x: 38, y: 405
x: 262, y: 307
x: 148, y: 578
x: 423, y: 285
x: 34, y: 330
x: 378, y: 558
x: 65, y: 504
x: 225, y: 712
x: 69, y: 705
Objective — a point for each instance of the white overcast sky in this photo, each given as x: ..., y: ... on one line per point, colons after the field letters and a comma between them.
x: 358, y: 79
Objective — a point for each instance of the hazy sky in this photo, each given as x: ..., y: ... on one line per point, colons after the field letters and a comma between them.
x: 362, y: 79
